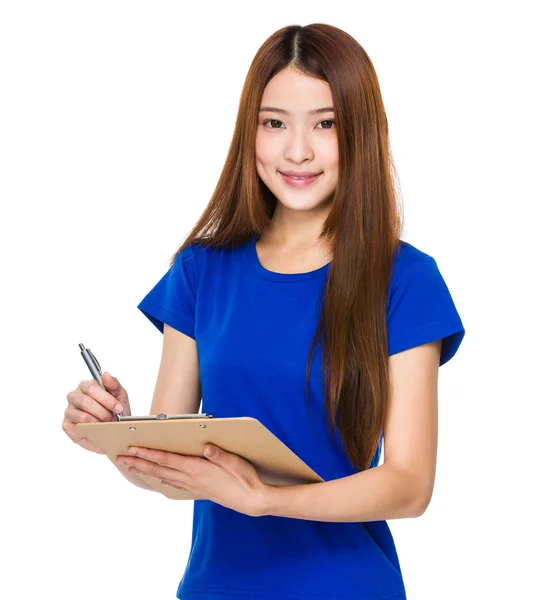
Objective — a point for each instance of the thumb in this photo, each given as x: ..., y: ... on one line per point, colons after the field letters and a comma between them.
x: 113, y: 386
x: 212, y: 452
x: 219, y: 455
x: 228, y: 461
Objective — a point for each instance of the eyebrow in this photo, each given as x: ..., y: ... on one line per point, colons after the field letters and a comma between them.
x: 285, y: 112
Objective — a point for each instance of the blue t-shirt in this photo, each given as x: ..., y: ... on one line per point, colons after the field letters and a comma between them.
x: 253, y: 328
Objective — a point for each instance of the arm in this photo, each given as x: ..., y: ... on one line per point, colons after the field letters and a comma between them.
x: 403, y: 485
x: 177, y: 390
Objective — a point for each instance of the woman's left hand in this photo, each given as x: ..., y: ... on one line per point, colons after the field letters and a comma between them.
x: 224, y: 478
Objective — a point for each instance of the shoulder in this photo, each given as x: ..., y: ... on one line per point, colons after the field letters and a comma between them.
x: 420, y: 307
x: 192, y: 251
x: 407, y: 259
x: 205, y: 258
x: 195, y: 255
x: 414, y: 272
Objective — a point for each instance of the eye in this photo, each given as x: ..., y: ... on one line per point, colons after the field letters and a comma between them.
x: 272, y: 121
x: 331, y: 121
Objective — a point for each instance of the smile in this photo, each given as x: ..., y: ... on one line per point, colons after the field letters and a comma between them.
x: 300, y: 182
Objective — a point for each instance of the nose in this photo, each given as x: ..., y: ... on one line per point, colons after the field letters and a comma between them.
x: 298, y: 145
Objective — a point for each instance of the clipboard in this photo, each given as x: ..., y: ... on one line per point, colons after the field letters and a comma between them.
x: 275, y: 463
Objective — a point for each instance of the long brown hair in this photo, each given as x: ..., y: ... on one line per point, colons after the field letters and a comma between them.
x: 363, y: 227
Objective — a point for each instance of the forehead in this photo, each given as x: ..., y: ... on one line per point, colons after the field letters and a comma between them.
x: 296, y: 92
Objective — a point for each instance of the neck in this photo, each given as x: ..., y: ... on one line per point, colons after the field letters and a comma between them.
x: 295, y: 230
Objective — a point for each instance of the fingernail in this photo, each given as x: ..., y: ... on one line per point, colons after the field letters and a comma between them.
x: 118, y: 408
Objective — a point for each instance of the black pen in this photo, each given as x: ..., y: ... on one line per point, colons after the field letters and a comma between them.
x: 95, y: 368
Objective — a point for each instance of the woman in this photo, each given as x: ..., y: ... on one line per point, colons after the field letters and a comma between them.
x: 294, y: 301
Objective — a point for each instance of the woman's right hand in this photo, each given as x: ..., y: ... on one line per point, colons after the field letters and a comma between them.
x: 89, y: 403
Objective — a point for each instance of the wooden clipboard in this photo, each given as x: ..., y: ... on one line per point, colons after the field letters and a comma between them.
x: 274, y: 462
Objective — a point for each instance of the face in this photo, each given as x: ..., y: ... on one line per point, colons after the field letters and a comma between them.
x: 293, y: 139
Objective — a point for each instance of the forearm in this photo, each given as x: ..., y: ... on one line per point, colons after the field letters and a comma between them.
x: 377, y: 494
x: 131, y: 477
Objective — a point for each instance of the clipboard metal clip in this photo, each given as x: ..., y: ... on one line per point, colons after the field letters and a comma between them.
x: 162, y: 416
x: 165, y: 417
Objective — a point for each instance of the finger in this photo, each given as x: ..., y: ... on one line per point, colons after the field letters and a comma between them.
x: 71, y: 431
x: 88, y: 445
x: 89, y: 402
x: 92, y: 389
x: 146, y: 467
x: 188, y: 464
x: 80, y: 416
x: 229, y: 462
x: 178, y: 485
x: 115, y: 388
x: 75, y: 415
x: 84, y: 409
x: 72, y: 417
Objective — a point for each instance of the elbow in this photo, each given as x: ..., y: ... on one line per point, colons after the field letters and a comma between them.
x: 418, y: 491
x: 418, y: 509
x: 420, y: 504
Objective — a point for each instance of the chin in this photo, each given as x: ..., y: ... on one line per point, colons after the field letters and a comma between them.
x: 303, y: 203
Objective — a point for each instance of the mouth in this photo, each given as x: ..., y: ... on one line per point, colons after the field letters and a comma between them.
x: 299, y: 182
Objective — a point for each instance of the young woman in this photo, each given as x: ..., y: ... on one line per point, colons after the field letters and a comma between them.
x: 295, y: 301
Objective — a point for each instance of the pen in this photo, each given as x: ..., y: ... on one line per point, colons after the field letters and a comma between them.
x: 95, y: 368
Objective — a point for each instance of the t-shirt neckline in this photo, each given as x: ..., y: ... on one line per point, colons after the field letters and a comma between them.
x: 273, y: 275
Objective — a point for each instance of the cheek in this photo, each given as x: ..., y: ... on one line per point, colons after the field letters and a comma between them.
x: 331, y: 164
x: 332, y: 153
x: 263, y: 151
x: 262, y: 162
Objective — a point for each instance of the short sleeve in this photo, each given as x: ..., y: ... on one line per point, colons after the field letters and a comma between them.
x: 172, y: 300
x: 421, y: 310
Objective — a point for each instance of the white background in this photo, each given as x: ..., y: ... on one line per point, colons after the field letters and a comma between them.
x: 115, y: 122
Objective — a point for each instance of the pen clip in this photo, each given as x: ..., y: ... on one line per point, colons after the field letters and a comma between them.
x: 97, y: 363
